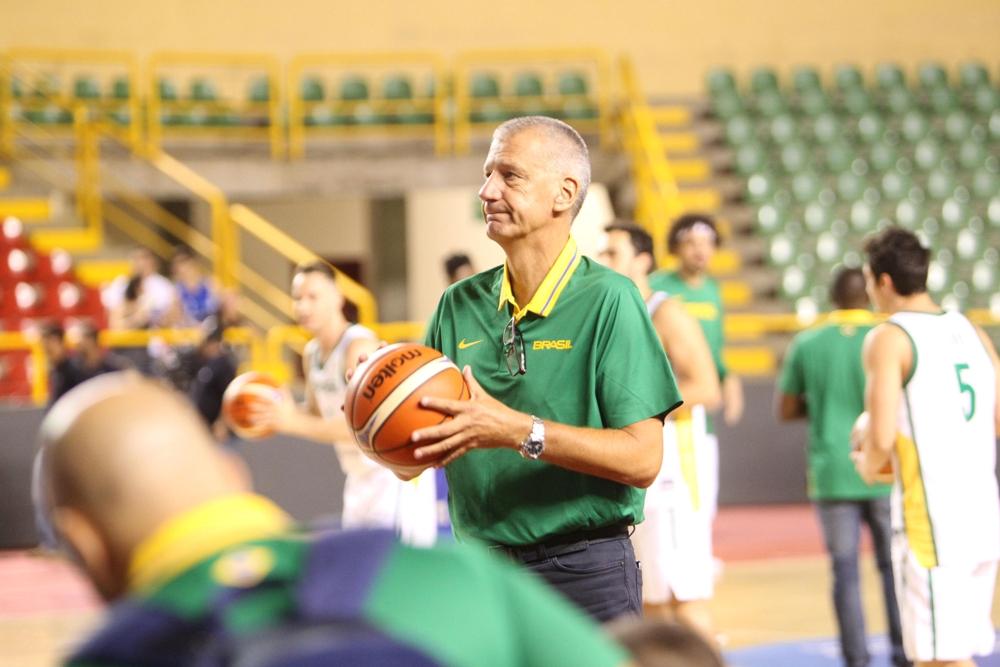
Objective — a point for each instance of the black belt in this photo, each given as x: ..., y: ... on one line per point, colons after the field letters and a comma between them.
x: 559, y: 545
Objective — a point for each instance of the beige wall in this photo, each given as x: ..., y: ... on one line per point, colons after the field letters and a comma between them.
x: 446, y: 220
x: 672, y: 42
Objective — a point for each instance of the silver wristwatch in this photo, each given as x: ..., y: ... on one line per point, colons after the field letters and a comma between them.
x: 533, y: 446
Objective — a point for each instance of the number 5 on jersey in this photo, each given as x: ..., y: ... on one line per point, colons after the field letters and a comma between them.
x: 966, y: 388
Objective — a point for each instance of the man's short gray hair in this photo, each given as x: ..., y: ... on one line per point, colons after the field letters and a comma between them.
x: 572, y: 154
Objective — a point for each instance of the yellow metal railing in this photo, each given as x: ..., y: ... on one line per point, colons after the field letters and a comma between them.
x: 187, y: 117
x: 56, y: 108
x: 658, y: 199
x: 467, y: 106
x: 335, y: 115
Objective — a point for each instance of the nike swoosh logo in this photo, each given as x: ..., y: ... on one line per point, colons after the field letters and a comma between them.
x: 463, y: 345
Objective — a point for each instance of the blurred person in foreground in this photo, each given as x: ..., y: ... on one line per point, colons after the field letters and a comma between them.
x: 932, y: 393
x: 655, y: 642
x: 822, y: 380
x: 674, y: 543
x: 205, y: 572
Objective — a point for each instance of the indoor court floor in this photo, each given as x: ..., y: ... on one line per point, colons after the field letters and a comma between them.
x: 772, y: 601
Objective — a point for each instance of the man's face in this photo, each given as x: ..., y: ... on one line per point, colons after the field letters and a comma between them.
x: 619, y: 255
x: 521, y: 185
x: 695, y: 249
x: 55, y: 348
x: 315, y: 300
x: 143, y: 263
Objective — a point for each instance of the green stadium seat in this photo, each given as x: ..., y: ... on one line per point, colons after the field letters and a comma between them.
x: 850, y: 186
x: 870, y: 127
x: 813, y: 102
x: 827, y: 128
x: 889, y: 76
x: 942, y: 100
x: 167, y: 90
x: 770, y: 103
x: 720, y: 80
x: 863, y: 216
x: 856, y: 101
x: 838, y: 156
x: 16, y: 89
x: 528, y: 84
x: 763, y: 79
x: 957, y: 126
x: 941, y: 184
x: 795, y: 282
x: 848, y: 77
x: 203, y: 90
x: 985, y: 275
x: 750, y: 157
x: 783, y: 129
x: 896, y: 185
x: 782, y: 249
x: 985, y: 100
x: 969, y: 244
x: 489, y: 112
x: 939, y: 276
x: 311, y: 89
x: 46, y: 86
x: 727, y: 105
x: 806, y: 185
x: 910, y: 213
x: 120, y: 88
x: 86, y: 88
x: 578, y: 109
x: 927, y: 154
x: 954, y: 213
x: 914, y: 126
x: 985, y: 183
x: 805, y: 78
x: 397, y: 87
x: 484, y: 84
x: 829, y: 247
x: 972, y: 75
x: 740, y: 130
x: 882, y: 155
x: 994, y: 125
x: 899, y: 100
x: 795, y: 156
x: 354, y: 88
x: 818, y: 216
x: 771, y: 218
x: 761, y: 187
x: 933, y: 75
x: 972, y: 154
x: 993, y: 212
x: 572, y: 83
x: 260, y: 90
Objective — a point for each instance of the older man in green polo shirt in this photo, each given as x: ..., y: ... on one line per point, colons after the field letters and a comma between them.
x: 548, y: 461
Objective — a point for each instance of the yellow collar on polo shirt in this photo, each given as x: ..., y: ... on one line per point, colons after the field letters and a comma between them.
x: 549, y: 290
x: 851, y: 316
x: 195, y: 535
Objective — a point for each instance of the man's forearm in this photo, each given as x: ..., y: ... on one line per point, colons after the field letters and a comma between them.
x: 632, y: 455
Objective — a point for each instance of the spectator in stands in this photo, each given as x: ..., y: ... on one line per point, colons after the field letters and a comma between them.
x: 658, y: 643
x: 216, y: 369
x: 206, y: 572
x: 63, y: 373
x: 133, y: 311
x: 157, y: 295
x: 197, y: 293
x: 458, y: 266
x: 823, y: 380
x: 93, y: 360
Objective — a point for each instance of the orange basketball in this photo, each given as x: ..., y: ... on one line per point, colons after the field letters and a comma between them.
x: 244, y: 392
x: 382, y: 404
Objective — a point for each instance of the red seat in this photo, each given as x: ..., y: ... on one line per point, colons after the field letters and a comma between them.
x: 15, y: 374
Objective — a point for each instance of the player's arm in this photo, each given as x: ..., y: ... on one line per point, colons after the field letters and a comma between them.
x: 790, y: 400
x: 732, y: 399
x: 792, y: 407
x: 689, y: 354
x: 992, y: 352
x: 631, y: 455
x: 887, y: 359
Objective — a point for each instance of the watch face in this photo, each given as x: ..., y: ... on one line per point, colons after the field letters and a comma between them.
x: 533, y: 448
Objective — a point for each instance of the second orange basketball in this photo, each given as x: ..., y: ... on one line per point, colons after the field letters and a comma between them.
x: 382, y: 404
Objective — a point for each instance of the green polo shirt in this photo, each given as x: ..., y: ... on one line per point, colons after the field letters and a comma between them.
x: 704, y: 302
x: 593, y: 360
x: 823, y: 364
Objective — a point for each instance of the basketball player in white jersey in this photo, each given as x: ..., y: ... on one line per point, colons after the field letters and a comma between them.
x: 674, y: 543
x: 932, y: 398
x: 373, y: 495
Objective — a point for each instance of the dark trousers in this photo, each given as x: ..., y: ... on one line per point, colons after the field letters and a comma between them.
x: 600, y: 576
x: 841, y: 521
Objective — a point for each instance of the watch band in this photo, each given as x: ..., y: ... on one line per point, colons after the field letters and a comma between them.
x: 533, y: 446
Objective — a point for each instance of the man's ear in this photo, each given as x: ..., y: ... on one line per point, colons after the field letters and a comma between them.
x: 885, y: 280
x: 566, y: 196
x: 89, y: 548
